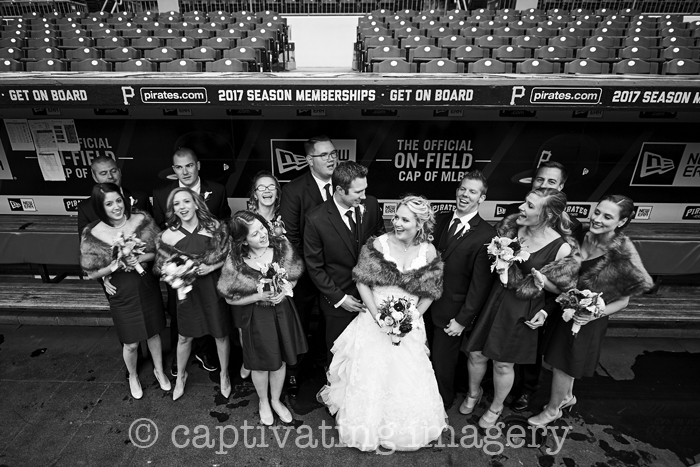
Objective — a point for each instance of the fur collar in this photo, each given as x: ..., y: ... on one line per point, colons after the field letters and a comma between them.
x: 96, y: 254
x: 374, y: 270
x: 620, y: 273
x: 215, y: 253
x: 241, y: 280
x: 563, y: 273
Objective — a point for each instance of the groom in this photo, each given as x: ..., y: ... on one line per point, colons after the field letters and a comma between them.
x: 461, y: 238
x: 333, y: 236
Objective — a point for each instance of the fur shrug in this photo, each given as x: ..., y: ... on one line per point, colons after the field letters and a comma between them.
x: 96, y: 254
x: 374, y: 270
x: 215, y: 253
x: 238, y: 281
x: 619, y: 274
x: 563, y: 272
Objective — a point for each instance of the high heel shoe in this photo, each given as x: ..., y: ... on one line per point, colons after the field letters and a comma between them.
x: 163, y: 381
x: 266, y: 419
x: 245, y: 372
x: 489, y: 418
x: 135, y: 387
x: 542, y: 420
x: 467, y: 406
x: 565, y: 405
x: 226, y: 389
x: 179, y: 390
x: 282, y: 411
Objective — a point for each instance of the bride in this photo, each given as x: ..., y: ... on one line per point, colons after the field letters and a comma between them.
x: 384, y: 394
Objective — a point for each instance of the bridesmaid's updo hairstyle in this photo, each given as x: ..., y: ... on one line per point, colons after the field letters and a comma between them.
x: 240, y: 226
x: 201, y: 211
x: 626, y: 206
x: 99, y: 192
x: 553, y: 212
x: 425, y: 217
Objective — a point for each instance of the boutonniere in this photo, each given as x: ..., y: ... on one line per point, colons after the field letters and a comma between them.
x: 133, y: 201
x: 464, y: 230
x: 206, y: 195
x: 363, y: 209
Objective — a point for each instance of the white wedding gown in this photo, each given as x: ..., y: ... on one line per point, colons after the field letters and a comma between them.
x: 384, y: 394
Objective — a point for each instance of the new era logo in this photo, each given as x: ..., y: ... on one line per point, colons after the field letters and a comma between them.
x: 653, y: 164
x: 287, y: 160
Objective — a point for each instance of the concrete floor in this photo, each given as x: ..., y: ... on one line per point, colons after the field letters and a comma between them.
x: 65, y: 402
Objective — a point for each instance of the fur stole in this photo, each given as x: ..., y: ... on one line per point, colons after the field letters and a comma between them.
x: 620, y: 273
x: 563, y: 272
x: 215, y: 253
x: 238, y: 281
x: 96, y: 254
x: 374, y: 270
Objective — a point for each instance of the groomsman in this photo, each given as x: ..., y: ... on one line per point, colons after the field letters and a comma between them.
x: 334, y: 233
x: 549, y: 174
x: 299, y: 197
x: 104, y: 170
x: 186, y: 168
x: 461, y: 238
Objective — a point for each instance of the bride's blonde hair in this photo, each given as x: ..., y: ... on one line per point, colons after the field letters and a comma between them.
x: 425, y: 217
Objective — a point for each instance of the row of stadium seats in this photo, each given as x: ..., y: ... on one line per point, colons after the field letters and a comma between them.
x: 102, y: 16
x: 133, y: 65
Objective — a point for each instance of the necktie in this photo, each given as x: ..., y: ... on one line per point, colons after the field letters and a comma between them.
x: 327, y: 187
x: 453, y: 229
x: 351, y: 221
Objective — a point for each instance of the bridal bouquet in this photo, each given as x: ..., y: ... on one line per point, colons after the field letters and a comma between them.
x: 274, y: 278
x: 124, y: 247
x: 505, y: 252
x: 395, y: 317
x: 180, y: 272
x: 580, y: 303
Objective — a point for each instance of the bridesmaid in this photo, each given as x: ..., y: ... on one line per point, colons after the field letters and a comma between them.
x: 504, y: 331
x: 272, y: 333
x: 135, y: 301
x: 611, y: 265
x: 193, y: 232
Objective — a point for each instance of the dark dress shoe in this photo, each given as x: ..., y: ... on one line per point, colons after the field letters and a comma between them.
x: 173, y: 367
x: 522, y: 403
x: 292, y: 386
x: 206, y: 362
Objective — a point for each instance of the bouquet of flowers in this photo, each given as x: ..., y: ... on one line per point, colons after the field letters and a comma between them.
x: 274, y: 278
x: 180, y: 272
x: 580, y: 303
x: 395, y: 317
x: 505, y: 252
x: 124, y: 247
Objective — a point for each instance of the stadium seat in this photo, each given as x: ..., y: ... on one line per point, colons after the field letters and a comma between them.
x: 609, y: 42
x: 379, y: 54
x: 8, y: 65
x: 638, y: 52
x: 490, y: 42
x: 441, y: 66
x: 94, y: 64
x: 200, y: 34
x: 140, y: 64
x: 416, y: 41
x: 566, y: 41
x: 681, y: 67
x: 82, y: 53
x: 106, y: 43
x: 640, y: 42
x: 683, y: 53
x: 440, y: 32
x: 635, y: 67
x: 167, y: 33
x: 468, y: 53
x: 161, y: 54
x: 146, y: 43
x: 12, y: 42
x: 181, y: 65
x: 511, y: 53
x: 232, y: 33
x: 588, y: 67
x: 489, y: 65
x: 676, y: 42
x: 394, y: 66
x: 12, y: 53
x: 452, y: 42
x: 248, y: 55
x: 41, y: 42
x: 534, y: 66
x: 554, y: 53
x: 507, y: 31
x: 43, y: 53
x: 181, y: 43
x: 528, y: 42
x: 121, y: 54
x: 227, y: 65
x: 542, y: 31
x: 219, y: 43
x: 46, y: 64
x: 426, y: 54
x: 379, y: 41
x: 76, y: 42
x: 675, y: 32
x: 473, y: 32
x: 201, y: 54
x: 597, y: 53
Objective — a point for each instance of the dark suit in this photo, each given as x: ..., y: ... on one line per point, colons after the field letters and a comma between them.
x: 466, y: 286
x: 527, y: 377
x: 331, y: 253
x: 86, y: 214
x: 216, y: 201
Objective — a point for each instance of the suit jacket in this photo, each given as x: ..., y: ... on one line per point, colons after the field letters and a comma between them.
x: 468, y: 279
x: 216, y: 200
x: 86, y: 214
x: 299, y: 197
x: 331, y: 253
x: 576, y: 226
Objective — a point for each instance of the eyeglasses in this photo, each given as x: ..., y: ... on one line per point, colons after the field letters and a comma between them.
x: 262, y: 188
x: 326, y: 155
